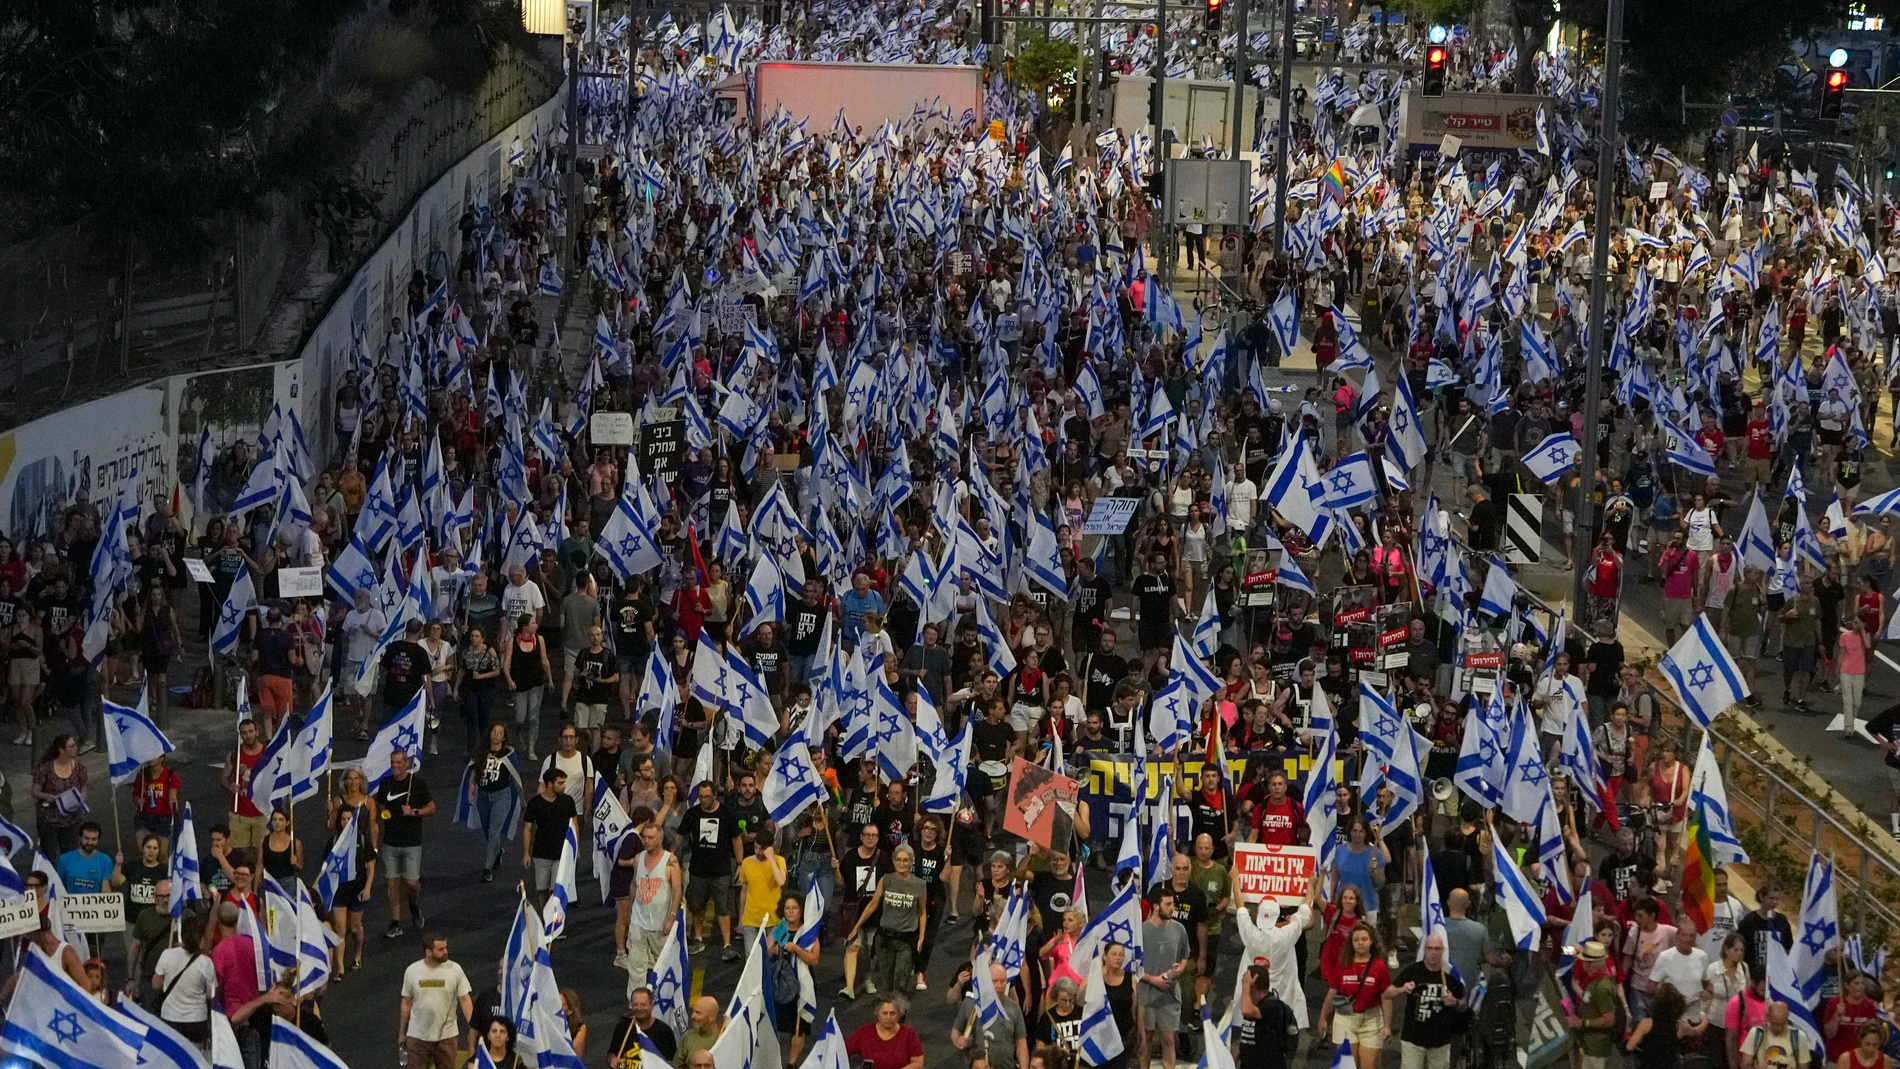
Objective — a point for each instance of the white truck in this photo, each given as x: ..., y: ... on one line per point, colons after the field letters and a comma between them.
x: 869, y: 93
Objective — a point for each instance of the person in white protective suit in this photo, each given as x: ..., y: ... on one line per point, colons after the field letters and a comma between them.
x: 1270, y: 942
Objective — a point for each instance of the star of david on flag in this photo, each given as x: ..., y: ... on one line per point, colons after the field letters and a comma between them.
x: 1705, y: 677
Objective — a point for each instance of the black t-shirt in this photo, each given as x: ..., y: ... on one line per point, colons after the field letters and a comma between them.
x: 590, y: 667
x: 1620, y: 873
x: 928, y: 864
x: 1210, y: 820
x: 141, y: 886
x: 861, y: 874
x: 58, y: 614
x: 488, y: 1006
x: 804, y: 624
x: 405, y: 667
x: 391, y: 795
x: 747, y: 817
x: 1053, y: 896
x: 860, y: 808
x: 769, y: 663
x: 1155, y: 595
x: 1063, y: 1030
x: 273, y: 646
x: 894, y: 825
x: 1756, y: 931
x: 1190, y: 908
x: 711, y: 832
x: 1428, y: 1021
x: 1104, y: 672
x: 991, y: 741
x: 1263, y: 1041
x: 1091, y: 603
x: 549, y: 821
x: 630, y: 627
x: 624, y: 1040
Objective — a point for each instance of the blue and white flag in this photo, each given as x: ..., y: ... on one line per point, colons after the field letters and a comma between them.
x: 241, y: 601
x: 565, y: 888
x: 1284, y: 318
x: 1500, y: 590
x: 339, y: 865
x: 1101, y: 1037
x: 670, y: 977
x: 1292, y: 487
x: 952, y: 773
x: 400, y: 732
x: 764, y: 595
x: 185, y: 872
x: 1706, y: 678
x: 1322, y: 798
x: 1431, y: 912
x: 1206, y: 639
x: 1480, y: 770
x: 1406, y: 439
x: 627, y: 539
x: 164, y: 1048
x: 1522, y: 906
x: 1119, y: 922
x: 1351, y: 482
x: 1684, y: 451
x: 290, y: 1048
x: 1785, y: 987
x: 55, y: 1023
x: 131, y: 739
x: 1553, y: 456
x: 310, y: 759
x: 1818, y: 930
x: 792, y: 784
x: 1012, y: 931
x: 1707, y: 791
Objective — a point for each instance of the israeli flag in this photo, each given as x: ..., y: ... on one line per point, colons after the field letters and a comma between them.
x: 1012, y: 930
x: 1044, y: 560
x: 1881, y: 504
x: 1819, y: 931
x: 1322, y: 798
x: 1207, y: 629
x: 164, y: 1047
x: 186, y: 883
x: 1431, y: 911
x: 1785, y: 986
x: 1684, y: 451
x: 764, y: 595
x: 1407, y: 437
x: 1284, y: 318
x: 339, y: 865
x: 1101, y: 1037
x: 1351, y: 482
x: 55, y: 1023
x: 627, y: 538
x: 1500, y: 590
x: 792, y: 784
x: 1707, y: 791
x: 132, y: 740
x: 1705, y: 677
x: 1522, y: 907
x: 1553, y: 456
x: 290, y: 1048
x: 401, y: 732
x: 241, y: 601
x: 952, y: 773
x: 565, y: 889
x: 313, y: 750
x: 1293, y: 486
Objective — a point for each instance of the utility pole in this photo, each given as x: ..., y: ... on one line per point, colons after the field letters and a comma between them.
x: 1607, y: 138
x: 1157, y: 115
x: 1286, y: 130
x: 1240, y: 75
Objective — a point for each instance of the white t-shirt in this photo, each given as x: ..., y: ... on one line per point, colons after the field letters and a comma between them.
x: 1700, y: 524
x: 1723, y: 920
x: 1240, y: 498
x: 190, y: 998
x: 516, y: 600
x: 434, y: 992
x: 1682, y: 971
x: 362, y: 629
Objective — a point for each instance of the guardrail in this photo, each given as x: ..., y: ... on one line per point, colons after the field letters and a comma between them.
x: 1786, y: 814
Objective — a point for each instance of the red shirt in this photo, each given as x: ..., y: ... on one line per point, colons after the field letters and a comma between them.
x: 247, y: 767
x: 235, y: 961
x: 1361, y: 981
x: 1712, y: 440
x: 154, y: 793
x: 1608, y: 580
x: 1853, y: 1016
x: 1760, y: 444
x: 1277, y: 822
x: 866, y: 1045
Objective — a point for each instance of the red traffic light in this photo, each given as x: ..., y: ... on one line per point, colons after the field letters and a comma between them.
x: 1836, y: 79
x: 1435, y: 56
x: 1213, y: 5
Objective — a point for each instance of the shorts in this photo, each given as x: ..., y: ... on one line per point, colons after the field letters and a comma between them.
x: 1162, y: 1015
x: 1747, y: 646
x: 848, y: 914
x: 350, y: 897
x: 544, y: 872
x: 1831, y: 436
x: 1025, y: 717
x: 1413, y: 1056
x: 716, y: 889
x: 1797, y: 659
x: 358, y: 688
x: 568, y: 657
x: 401, y: 862
x: 1365, y: 1030
x: 785, y: 1016
x: 247, y: 832
x: 1756, y: 470
x: 1678, y: 612
x: 275, y: 694
x: 588, y: 716
x: 24, y: 671
x: 424, y: 1054
x: 154, y: 824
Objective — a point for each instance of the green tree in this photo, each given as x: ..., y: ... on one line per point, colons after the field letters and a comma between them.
x: 1042, y: 63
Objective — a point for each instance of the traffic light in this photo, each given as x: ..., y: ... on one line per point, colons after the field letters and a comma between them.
x: 1833, y: 91
x: 1211, y: 18
x: 1434, y: 83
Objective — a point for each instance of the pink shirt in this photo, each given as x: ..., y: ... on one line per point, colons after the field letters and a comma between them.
x: 1853, y: 654
x: 235, y: 961
x: 1681, y: 574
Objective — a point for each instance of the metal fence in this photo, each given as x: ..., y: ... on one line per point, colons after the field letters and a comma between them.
x: 87, y: 310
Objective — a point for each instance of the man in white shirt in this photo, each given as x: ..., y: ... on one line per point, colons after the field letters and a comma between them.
x: 363, y: 627
x: 519, y: 596
x: 1683, y: 965
x: 1726, y: 913
x: 433, y: 989
x: 1241, y: 495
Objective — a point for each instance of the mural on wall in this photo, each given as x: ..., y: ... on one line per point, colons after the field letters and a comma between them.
x: 84, y: 455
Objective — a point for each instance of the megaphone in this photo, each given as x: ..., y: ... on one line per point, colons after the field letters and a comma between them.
x: 1444, y: 798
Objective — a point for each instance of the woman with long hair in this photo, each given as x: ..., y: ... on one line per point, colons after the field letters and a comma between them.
x: 576, y: 1021
x: 160, y: 640
x: 59, y: 796
x: 281, y: 853
x: 1355, y: 1009
x: 932, y: 860
x: 25, y: 661
x: 477, y: 681
x: 491, y: 796
x: 784, y: 956
x: 1656, y: 1041
x: 524, y: 666
x: 352, y: 813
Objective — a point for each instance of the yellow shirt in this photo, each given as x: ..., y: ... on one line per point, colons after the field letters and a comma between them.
x: 761, y: 890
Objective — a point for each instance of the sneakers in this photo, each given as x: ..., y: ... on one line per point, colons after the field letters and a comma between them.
x: 488, y: 875
x: 394, y: 931
x: 415, y: 918
x: 731, y: 953
x: 698, y: 946
x: 921, y: 986
x: 870, y: 988
x: 847, y: 994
